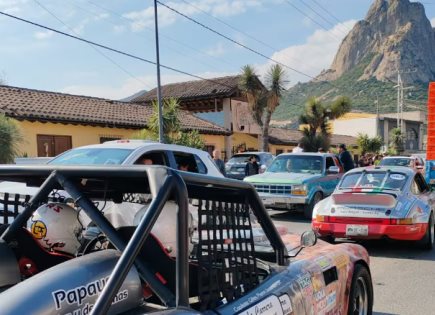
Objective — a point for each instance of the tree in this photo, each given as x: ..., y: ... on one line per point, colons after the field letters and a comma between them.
x: 263, y: 101
x: 316, y: 116
x: 171, y: 126
x: 396, y: 140
x: 10, y: 138
x: 369, y: 145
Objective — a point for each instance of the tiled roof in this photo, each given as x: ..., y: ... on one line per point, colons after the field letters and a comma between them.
x: 36, y: 105
x: 281, y: 136
x: 217, y: 87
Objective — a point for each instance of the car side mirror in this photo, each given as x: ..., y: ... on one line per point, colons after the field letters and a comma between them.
x: 333, y: 170
x: 308, y: 239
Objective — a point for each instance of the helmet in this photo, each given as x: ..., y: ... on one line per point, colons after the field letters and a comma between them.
x: 56, y: 227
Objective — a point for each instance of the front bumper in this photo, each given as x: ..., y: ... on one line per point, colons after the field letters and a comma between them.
x: 282, y: 201
x: 411, y: 232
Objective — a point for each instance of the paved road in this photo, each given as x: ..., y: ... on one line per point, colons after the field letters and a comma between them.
x: 403, y: 276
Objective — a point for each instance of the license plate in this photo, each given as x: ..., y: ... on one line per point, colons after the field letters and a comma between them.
x: 357, y: 230
x: 240, y: 169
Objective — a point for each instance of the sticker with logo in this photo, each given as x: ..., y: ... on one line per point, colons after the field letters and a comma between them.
x: 341, y: 261
x: 323, y: 262
x: 318, y: 282
x: 38, y: 229
x: 286, y: 304
x: 330, y: 300
x: 305, y: 283
x: 270, y: 305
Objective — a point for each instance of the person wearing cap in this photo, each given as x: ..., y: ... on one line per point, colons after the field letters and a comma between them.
x: 345, y: 158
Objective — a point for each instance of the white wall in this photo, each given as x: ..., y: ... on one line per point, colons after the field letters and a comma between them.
x: 352, y: 127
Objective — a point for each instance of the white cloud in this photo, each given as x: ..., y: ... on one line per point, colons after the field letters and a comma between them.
x: 316, y: 54
x: 432, y: 22
x: 11, y: 6
x: 132, y: 85
x: 217, y: 50
x: 145, y: 18
x: 43, y: 35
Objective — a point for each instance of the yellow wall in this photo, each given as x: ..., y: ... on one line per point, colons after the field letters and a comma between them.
x: 240, y: 138
x: 84, y: 135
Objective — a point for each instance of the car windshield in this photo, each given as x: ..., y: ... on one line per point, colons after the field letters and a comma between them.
x: 296, y: 164
x: 396, y: 162
x: 241, y: 159
x: 381, y: 180
x: 92, y: 156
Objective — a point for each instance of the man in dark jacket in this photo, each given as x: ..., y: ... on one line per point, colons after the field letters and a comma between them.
x: 251, y: 167
x: 219, y: 163
x: 345, y: 158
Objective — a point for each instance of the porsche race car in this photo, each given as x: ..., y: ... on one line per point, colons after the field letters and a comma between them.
x: 134, y: 270
x: 374, y: 203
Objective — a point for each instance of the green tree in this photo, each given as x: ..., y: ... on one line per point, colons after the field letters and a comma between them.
x: 263, y: 100
x: 10, y: 138
x: 369, y: 145
x: 316, y: 116
x: 396, y: 140
x: 171, y: 126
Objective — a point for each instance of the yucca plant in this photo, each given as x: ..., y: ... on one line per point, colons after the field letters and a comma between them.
x: 10, y: 138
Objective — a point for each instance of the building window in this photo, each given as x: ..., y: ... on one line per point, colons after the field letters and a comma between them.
x: 209, y: 148
x: 279, y: 151
x: 51, y: 145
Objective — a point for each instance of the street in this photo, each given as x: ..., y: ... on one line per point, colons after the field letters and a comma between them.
x: 403, y: 275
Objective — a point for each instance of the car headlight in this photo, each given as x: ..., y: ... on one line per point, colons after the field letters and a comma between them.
x: 227, y: 167
x: 300, y: 190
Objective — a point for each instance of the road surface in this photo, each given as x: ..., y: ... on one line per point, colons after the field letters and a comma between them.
x: 403, y: 275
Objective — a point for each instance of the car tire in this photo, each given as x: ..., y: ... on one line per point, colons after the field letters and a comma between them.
x: 427, y: 242
x: 361, y: 292
x: 308, y: 209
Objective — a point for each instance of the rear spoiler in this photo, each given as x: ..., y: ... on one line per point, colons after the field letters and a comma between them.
x: 360, y: 198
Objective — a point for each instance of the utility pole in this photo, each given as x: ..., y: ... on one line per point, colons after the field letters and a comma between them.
x: 159, y: 90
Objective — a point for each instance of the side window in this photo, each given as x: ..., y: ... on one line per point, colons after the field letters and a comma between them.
x: 189, y: 163
x: 329, y: 162
x: 415, y: 186
x: 153, y: 158
x: 421, y: 183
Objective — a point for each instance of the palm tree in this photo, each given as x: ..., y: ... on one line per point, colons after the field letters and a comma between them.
x: 315, y: 133
x: 369, y: 145
x: 263, y: 101
x: 10, y: 137
x: 396, y: 140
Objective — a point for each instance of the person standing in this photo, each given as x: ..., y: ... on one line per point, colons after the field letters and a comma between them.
x: 219, y: 163
x: 345, y: 158
x: 298, y: 149
x: 251, y: 167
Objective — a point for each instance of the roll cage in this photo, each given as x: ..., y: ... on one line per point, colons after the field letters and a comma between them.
x: 224, y: 205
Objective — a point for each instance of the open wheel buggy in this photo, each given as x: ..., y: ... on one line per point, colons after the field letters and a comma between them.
x: 221, y: 267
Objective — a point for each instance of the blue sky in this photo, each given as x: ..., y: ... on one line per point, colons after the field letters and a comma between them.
x: 285, y: 30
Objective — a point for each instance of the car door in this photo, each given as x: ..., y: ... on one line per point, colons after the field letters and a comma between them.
x: 422, y: 204
x: 158, y: 157
x: 332, y: 179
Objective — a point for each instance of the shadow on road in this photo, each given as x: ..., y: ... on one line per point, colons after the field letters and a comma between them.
x: 291, y: 216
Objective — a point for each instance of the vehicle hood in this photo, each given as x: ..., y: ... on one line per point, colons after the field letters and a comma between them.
x: 282, y: 178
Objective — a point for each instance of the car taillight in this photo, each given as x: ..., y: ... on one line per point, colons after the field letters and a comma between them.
x: 402, y: 221
x: 322, y: 218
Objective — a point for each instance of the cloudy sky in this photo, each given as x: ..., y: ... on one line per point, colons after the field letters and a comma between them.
x: 302, y: 34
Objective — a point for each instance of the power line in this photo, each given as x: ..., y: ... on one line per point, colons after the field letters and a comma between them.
x: 234, y: 41
x: 111, y: 49
x: 96, y: 49
x: 241, y: 32
x: 320, y: 15
x: 161, y: 34
x: 328, y: 12
x: 311, y: 19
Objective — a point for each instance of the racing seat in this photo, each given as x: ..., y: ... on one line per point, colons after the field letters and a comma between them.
x: 160, y: 262
x: 32, y: 257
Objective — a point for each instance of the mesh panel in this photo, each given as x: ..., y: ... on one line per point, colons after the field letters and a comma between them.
x: 10, y: 205
x: 225, y: 252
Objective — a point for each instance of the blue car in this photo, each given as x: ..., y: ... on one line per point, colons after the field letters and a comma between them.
x: 298, y: 181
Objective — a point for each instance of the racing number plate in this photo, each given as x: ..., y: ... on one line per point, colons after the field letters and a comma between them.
x: 357, y: 230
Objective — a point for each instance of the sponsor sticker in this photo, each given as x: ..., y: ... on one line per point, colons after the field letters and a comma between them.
x: 270, y: 305
x: 38, y: 229
x: 397, y: 176
x: 286, y: 304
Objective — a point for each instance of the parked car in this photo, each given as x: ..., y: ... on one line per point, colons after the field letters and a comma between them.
x: 297, y: 181
x: 235, y: 167
x: 222, y: 274
x: 413, y: 162
x: 393, y: 202
x: 117, y: 152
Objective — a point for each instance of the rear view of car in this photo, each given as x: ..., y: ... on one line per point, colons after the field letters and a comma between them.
x: 378, y: 203
x: 413, y: 162
x: 235, y: 167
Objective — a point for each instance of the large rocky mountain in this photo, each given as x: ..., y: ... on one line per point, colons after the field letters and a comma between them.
x: 395, y: 36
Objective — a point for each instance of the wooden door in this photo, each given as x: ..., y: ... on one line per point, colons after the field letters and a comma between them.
x: 51, y: 145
